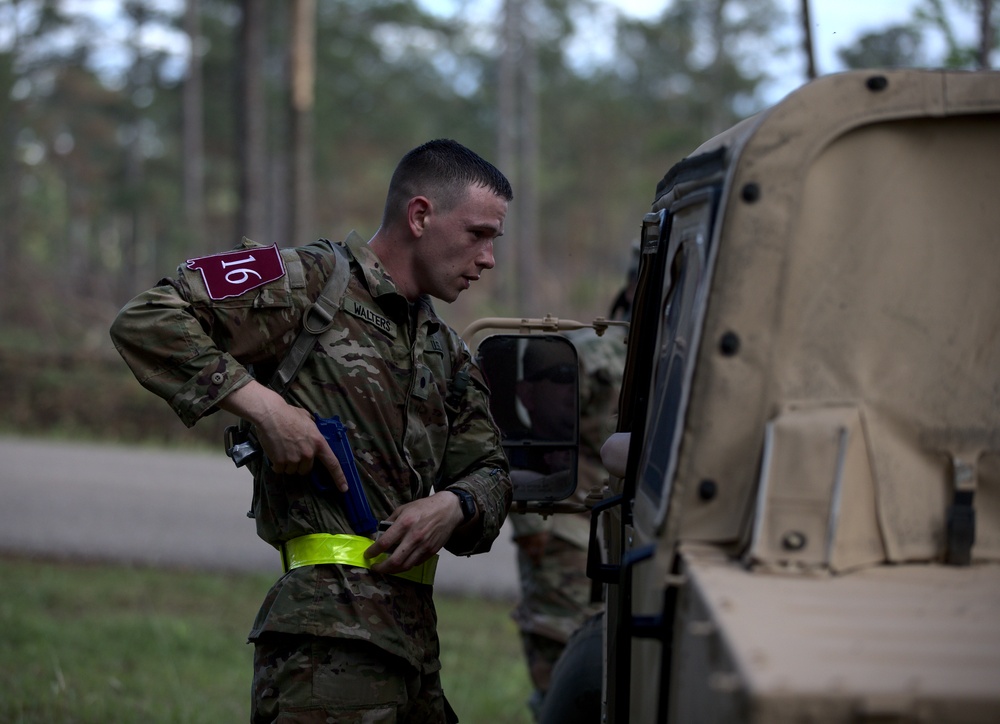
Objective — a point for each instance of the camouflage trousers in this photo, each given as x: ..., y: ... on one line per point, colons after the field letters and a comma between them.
x: 555, y: 601
x: 317, y: 680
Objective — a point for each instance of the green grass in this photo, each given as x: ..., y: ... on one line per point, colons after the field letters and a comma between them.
x: 101, y: 643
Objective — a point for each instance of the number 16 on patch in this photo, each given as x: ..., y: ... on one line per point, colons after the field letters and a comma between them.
x: 233, y: 273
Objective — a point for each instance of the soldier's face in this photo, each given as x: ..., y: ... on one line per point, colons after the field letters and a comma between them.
x: 457, y: 245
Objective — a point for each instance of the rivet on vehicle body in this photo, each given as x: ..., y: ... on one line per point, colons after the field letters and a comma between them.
x: 724, y: 682
x: 793, y: 540
x: 707, y: 490
x: 750, y: 192
x: 702, y: 628
x: 729, y: 344
x: 877, y: 83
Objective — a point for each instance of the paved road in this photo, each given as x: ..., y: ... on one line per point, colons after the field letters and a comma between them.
x: 173, y: 508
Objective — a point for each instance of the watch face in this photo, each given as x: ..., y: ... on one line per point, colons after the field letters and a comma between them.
x: 468, y: 504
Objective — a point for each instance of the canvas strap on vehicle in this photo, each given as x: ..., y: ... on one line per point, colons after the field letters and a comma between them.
x: 960, y: 517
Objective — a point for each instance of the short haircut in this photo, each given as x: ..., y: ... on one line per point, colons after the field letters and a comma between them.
x: 441, y: 170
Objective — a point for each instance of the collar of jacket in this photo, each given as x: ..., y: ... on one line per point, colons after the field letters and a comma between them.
x: 380, y: 284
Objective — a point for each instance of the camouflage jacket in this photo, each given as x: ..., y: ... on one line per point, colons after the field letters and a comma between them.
x: 381, y: 367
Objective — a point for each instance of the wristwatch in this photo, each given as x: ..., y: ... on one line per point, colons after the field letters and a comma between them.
x: 468, y: 504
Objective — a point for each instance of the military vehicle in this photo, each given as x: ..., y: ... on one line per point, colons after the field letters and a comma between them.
x: 802, y: 517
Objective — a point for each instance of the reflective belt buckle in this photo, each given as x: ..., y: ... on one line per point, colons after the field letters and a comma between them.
x: 345, y: 550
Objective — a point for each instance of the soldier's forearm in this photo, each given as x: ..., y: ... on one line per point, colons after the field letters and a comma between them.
x: 253, y: 402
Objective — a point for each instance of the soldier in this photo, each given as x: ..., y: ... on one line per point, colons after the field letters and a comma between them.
x: 349, y: 632
x: 556, y: 595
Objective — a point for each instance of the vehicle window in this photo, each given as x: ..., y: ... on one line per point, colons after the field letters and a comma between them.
x: 681, y: 319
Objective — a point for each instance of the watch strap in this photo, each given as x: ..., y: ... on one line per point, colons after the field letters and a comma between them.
x: 468, y: 504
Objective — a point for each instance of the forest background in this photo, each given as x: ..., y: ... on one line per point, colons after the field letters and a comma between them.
x: 175, y: 128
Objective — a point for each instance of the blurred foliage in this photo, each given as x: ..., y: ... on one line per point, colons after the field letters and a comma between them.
x: 89, y: 397
x: 92, y: 155
x: 93, y: 149
x: 896, y: 47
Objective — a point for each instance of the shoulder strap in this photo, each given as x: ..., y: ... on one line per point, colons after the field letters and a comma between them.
x: 316, y: 319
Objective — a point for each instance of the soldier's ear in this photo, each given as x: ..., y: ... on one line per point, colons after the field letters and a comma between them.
x: 419, y: 211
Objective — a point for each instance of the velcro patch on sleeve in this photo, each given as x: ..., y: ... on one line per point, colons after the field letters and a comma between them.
x: 233, y: 273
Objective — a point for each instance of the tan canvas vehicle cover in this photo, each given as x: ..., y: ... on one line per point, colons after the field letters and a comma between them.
x: 844, y: 402
x: 858, y: 267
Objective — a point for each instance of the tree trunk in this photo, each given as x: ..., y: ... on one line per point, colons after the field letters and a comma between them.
x: 302, y: 83
x: 985, y: 33
x: 194, y: 132
x: 10, y: 185
x: 807, y: 41
x: 518, y: 156
x: 252, y: 122
x: 507, y: 144
x: 137, y: 247
x: 527, y: 262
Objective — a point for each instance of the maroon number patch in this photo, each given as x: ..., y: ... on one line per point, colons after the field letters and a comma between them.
x: 236, y: 272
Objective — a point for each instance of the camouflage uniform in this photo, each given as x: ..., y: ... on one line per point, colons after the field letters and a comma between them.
x: 383, y: 368
x: 555, y: 592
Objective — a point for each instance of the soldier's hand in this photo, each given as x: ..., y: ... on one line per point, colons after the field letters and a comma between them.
x: 419, y: 530
x: 293, y: 445
x: 288, y: 434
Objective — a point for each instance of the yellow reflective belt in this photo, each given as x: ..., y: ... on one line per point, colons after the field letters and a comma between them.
x: 345, y: 550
